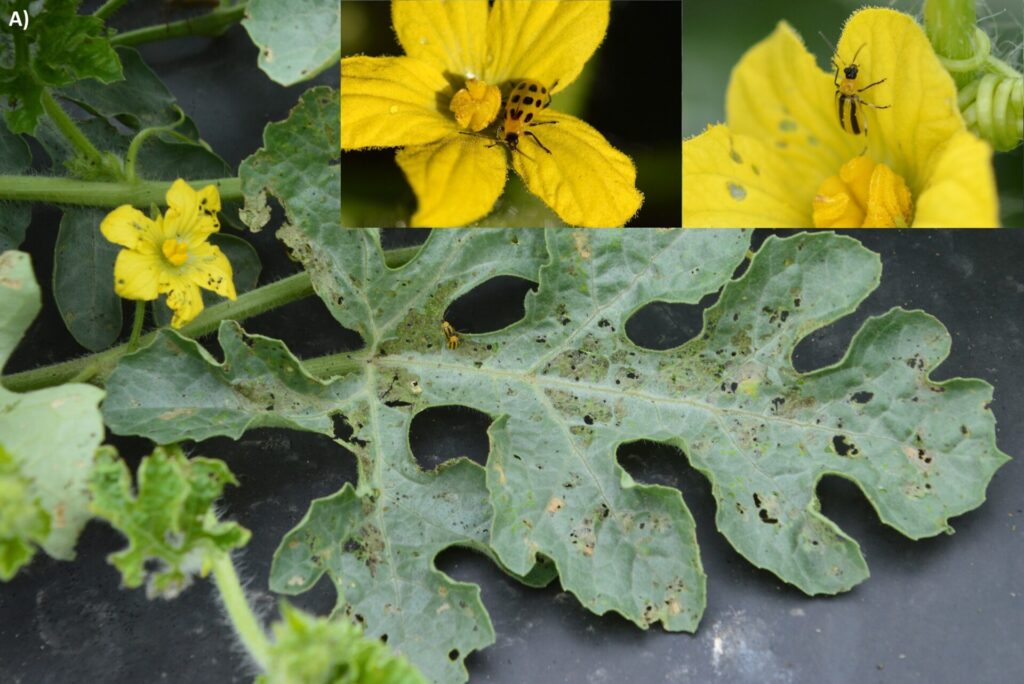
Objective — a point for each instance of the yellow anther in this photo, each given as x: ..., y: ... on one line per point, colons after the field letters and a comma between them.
x: 476, y: 105
x: 863, y: 195
x: 175, y: 251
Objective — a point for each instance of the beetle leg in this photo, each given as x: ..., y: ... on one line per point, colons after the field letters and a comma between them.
x: 871, y: 85
x: 536, y: 140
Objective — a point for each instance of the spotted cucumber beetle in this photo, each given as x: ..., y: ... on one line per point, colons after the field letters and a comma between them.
x: 449, y: 333
x: 527, y: 99
x: 848, y: 94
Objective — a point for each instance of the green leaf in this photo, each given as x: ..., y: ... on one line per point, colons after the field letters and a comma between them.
x: 170, y: 519
x: 296, y: 165
x: 567, y: 387
x: 15, y: 159
x: 24, y: 523
x: 310, y: 649
x: 297, y: 39
x: 139, y: 101
x: 83, y: 279
x: 173, y: 389
x: 52, y: 433
x: 59, y: 48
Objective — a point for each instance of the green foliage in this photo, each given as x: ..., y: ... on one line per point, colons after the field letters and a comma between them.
x: 59, y: 48
x: 15, y: 157
x: 295, y: 165
x: 297, y: 39
x: 24, y: 523
x: 50, y: 434
x: 83, y: 279
x: 174, y: 390
x: 567, y: 387
x: 170, y: 519
x: 312, y: 650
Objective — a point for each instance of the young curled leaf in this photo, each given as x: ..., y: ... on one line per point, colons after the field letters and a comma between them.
x: 312, y: 650
x: 168, y: 519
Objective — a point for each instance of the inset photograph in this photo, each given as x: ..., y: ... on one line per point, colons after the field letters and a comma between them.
x: 828, y: 115
x: 510, y: 114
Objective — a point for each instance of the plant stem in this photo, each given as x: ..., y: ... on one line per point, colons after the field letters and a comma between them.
x: 108, y: 8
x: 245, y: 622
x: 212, y: 24
x: 71, y: 131
x: 99, y: 366
x: 247, y: 305
x: 101, y: 194
x: 140, y: 317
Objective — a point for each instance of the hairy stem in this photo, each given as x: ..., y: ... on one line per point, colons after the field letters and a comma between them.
x: 70, y: 130
x: 212, y: 24
x: 247, y: 305
x: 101, y: 194
x: 140, y: 318
x: 108, y: 8
x: 247, y: 625
x: 97, y: 367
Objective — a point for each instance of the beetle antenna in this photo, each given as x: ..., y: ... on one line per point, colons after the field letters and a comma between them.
x: 854, y: 60
x: 829, y: 43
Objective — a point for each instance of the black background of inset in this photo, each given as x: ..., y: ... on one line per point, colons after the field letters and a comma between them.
x: 938, y: 610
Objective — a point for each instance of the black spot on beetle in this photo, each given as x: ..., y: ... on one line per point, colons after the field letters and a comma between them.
x: 515, y: 98
x: 533, y: 87
x: 516, y: 113
x: 862, y: 397
x: 527, y: 100
x: 544, y: 90
x: 529, y: 117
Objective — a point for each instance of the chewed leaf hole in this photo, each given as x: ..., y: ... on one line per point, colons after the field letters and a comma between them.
x: 736, y: 191
x: 492, y: 305
x: 862, y: 397
x: 661, y: 325
x: 441, y: 433
x: 844, y: 447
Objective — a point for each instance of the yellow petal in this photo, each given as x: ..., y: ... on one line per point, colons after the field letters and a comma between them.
x: 209, y: 268
x: 185, y: 301
x: 736, y: 181
x: 129, y: 227
x: 447, y: 35
x: 137, y: 276
x: 190, y: 216
x: 393, y: 102
x: 456, y: 180
x: 923, y: 114
x: 961, y: 189
x: 780, y: 96
x: 584, y: 180
x: 545, y: 40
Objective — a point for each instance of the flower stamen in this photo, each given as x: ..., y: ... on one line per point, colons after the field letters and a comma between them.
x: 476, y: 105
x: 175, y: 251
x: 863, y: 195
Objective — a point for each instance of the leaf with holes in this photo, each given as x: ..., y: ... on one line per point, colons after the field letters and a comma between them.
x: 567, y: 387
x: 172, y: 389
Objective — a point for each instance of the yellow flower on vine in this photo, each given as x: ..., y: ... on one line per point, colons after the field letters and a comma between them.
x: 460, y: 58
x: 784, y: 160
x: 170, y: 254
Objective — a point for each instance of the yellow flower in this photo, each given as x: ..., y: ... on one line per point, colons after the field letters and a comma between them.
x: 460, y: 56
x: 171, y: 255
x: 784, y: 161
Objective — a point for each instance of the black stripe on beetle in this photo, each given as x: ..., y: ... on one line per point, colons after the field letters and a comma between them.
x: 854, y: 126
